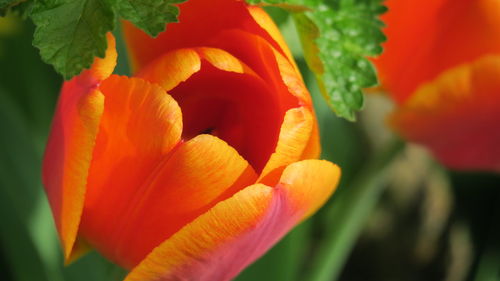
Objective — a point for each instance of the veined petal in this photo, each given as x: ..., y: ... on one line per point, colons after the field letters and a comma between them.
x: 140, y: 126
x: 457, y: 116
x: 67, y: 158
x: 175, y: 67
x: 231, y: 235
x: 223, y: 60
x: 200, y: 173
x: 293, y: 80
x: 215, y: 246
x: 197, y: 174
x: 294, y: 135
x: 172, y: 68
x: 266, y: 22
x: 70, y: 145
x: 313, y: 147
x: 201, y: 170
x: 307, y: 185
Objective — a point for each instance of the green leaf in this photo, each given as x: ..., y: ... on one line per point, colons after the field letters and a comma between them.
x: 149, y: 15
x: 70, y: 33
x: 337, y: 38
x: 349, y: 31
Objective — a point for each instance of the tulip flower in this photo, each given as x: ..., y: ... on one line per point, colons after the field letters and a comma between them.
x: 197, y: 165
x: 441, y: 66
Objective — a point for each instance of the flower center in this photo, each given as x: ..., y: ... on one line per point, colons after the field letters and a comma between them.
x: 237, y: 108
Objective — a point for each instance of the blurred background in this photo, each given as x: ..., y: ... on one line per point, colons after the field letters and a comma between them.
x: 397, y: 214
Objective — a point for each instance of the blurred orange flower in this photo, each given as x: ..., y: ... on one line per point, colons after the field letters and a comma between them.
x: 194, y: 167
x: 441, y: 66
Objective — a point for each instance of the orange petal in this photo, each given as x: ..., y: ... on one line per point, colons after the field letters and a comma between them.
x: 80, y: 248
x: 172, y: 68
x: 222, y: 95
x: 313, y: 147
x: 293, y: 80
x: 447, y: 33
x: 177, y: 66
x: 200, y: 173
x: 103, y: 67
x: 223, y: 60
x: 203, y: 249
x: 267, y: 62
x: 294, y: 136
x: 308, y: 184
x: 70, y: 144
x: 231, y: 235
x: 68, y: 155
x: 187, y: 183
x: 139, y: 127
x: 199, y: 22
x: 266, y: 22
x: 201, y: 169
x: 457, y: 116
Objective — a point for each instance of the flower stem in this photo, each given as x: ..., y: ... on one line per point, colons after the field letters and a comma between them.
x: 348, y: 213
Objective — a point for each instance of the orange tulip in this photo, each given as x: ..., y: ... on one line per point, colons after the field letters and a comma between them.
x: 194, y: 167
x: 442, y: 66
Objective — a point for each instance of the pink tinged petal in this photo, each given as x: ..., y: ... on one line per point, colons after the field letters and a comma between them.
x: 234, y: 233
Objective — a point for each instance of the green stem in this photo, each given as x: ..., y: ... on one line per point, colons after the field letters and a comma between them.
x: 348, y: 215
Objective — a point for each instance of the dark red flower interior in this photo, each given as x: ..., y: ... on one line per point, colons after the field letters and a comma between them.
x: 238, y: 108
